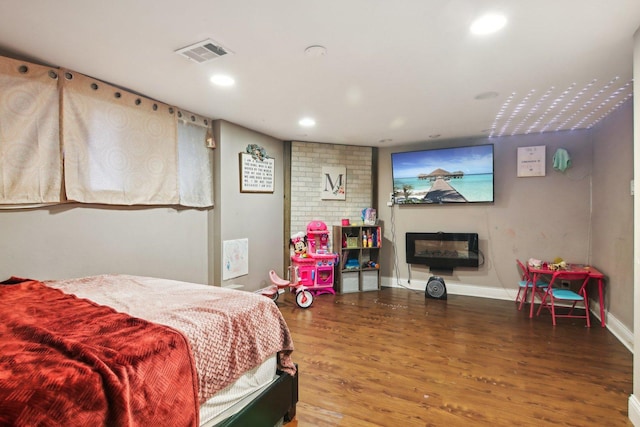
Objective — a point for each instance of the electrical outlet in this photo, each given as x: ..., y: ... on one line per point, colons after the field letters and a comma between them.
x: 565, y: 284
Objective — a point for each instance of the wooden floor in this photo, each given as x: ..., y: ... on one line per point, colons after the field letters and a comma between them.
x: 394, y: 358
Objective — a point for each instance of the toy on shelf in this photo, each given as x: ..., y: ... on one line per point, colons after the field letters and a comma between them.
x: 304, y: 298
x: 351, y: 264
x: 313, y: 265
x: 370, y: 264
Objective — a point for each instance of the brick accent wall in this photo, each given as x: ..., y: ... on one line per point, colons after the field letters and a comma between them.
x: 307, y: 160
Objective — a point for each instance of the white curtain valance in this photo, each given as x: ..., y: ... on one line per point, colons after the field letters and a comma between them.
x: 195, y: 163
x: 30, y: 154
x: 119, y: 148
x: 184, y: 116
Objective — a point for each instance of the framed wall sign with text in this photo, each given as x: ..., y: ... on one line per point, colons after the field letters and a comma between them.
x: 531, y: 161
x: 256, y: 176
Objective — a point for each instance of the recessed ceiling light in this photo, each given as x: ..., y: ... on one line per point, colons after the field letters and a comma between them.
x: 385, y: 141
x: 307, y: 122
x: 435, y: 135
x: 222, y: 80
x: 488, y: 24
x: 315, y: 51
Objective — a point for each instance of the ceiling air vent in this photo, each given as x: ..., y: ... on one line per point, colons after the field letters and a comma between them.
x: 203, y: 51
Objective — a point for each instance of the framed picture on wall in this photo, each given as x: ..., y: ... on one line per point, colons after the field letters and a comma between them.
x: 531, y: 161
x: 256, y: 175
x: 235, y: 257
x: 334, y: 183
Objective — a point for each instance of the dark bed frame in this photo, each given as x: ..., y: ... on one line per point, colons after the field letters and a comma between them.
x: 276, y: 402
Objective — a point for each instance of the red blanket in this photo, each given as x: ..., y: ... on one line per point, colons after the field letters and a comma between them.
x: 230, y: 331
x: 69, y: 361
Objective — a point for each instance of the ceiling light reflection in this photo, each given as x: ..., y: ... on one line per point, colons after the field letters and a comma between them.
x: 307, y: 122
x: 487, y: 24
x: 222, y: 80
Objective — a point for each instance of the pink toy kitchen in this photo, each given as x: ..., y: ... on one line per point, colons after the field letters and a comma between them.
x: 313, y: 262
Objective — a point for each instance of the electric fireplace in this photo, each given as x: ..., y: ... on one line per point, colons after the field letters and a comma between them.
x: 442, y: 251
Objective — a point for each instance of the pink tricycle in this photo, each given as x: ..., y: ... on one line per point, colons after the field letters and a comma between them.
x: 304, y: 298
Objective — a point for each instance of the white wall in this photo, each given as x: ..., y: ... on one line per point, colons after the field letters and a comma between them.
x: 634, y: 402
x: 539, y: 217
x: 76, y: 240
x: 256, y: 216
x: 612, y: 210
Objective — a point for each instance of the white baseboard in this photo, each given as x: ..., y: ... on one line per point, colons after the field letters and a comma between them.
x: 455, y: 289
x: 619, y: 330
x: 634, y: 410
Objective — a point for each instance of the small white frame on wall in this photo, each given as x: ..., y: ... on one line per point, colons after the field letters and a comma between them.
x: 531, y: 161
x: 235, y: 257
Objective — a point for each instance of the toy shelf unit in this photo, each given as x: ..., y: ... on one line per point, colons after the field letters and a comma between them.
x: 315, y: 268
x: 359, y: 250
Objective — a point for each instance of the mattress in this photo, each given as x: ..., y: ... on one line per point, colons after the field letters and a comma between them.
x: 234, y: 397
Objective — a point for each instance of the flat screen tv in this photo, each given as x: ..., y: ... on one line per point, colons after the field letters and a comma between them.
x: 443, y: 175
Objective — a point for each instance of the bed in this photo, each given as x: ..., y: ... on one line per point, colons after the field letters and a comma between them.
x: 130, y: 350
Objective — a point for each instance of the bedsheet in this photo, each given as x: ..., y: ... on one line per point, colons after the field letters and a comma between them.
x: 230, y: 331
x: 69, y: 361
x: 235, y: 396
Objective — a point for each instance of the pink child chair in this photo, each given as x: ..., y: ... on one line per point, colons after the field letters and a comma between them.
x: 525, y: 284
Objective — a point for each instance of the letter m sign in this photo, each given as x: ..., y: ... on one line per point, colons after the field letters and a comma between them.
x: 334, y: 183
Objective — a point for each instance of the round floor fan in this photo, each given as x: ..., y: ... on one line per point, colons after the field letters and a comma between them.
x: 436, y: 288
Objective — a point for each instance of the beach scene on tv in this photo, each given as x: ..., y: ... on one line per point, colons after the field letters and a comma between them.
x: 448, y: 175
